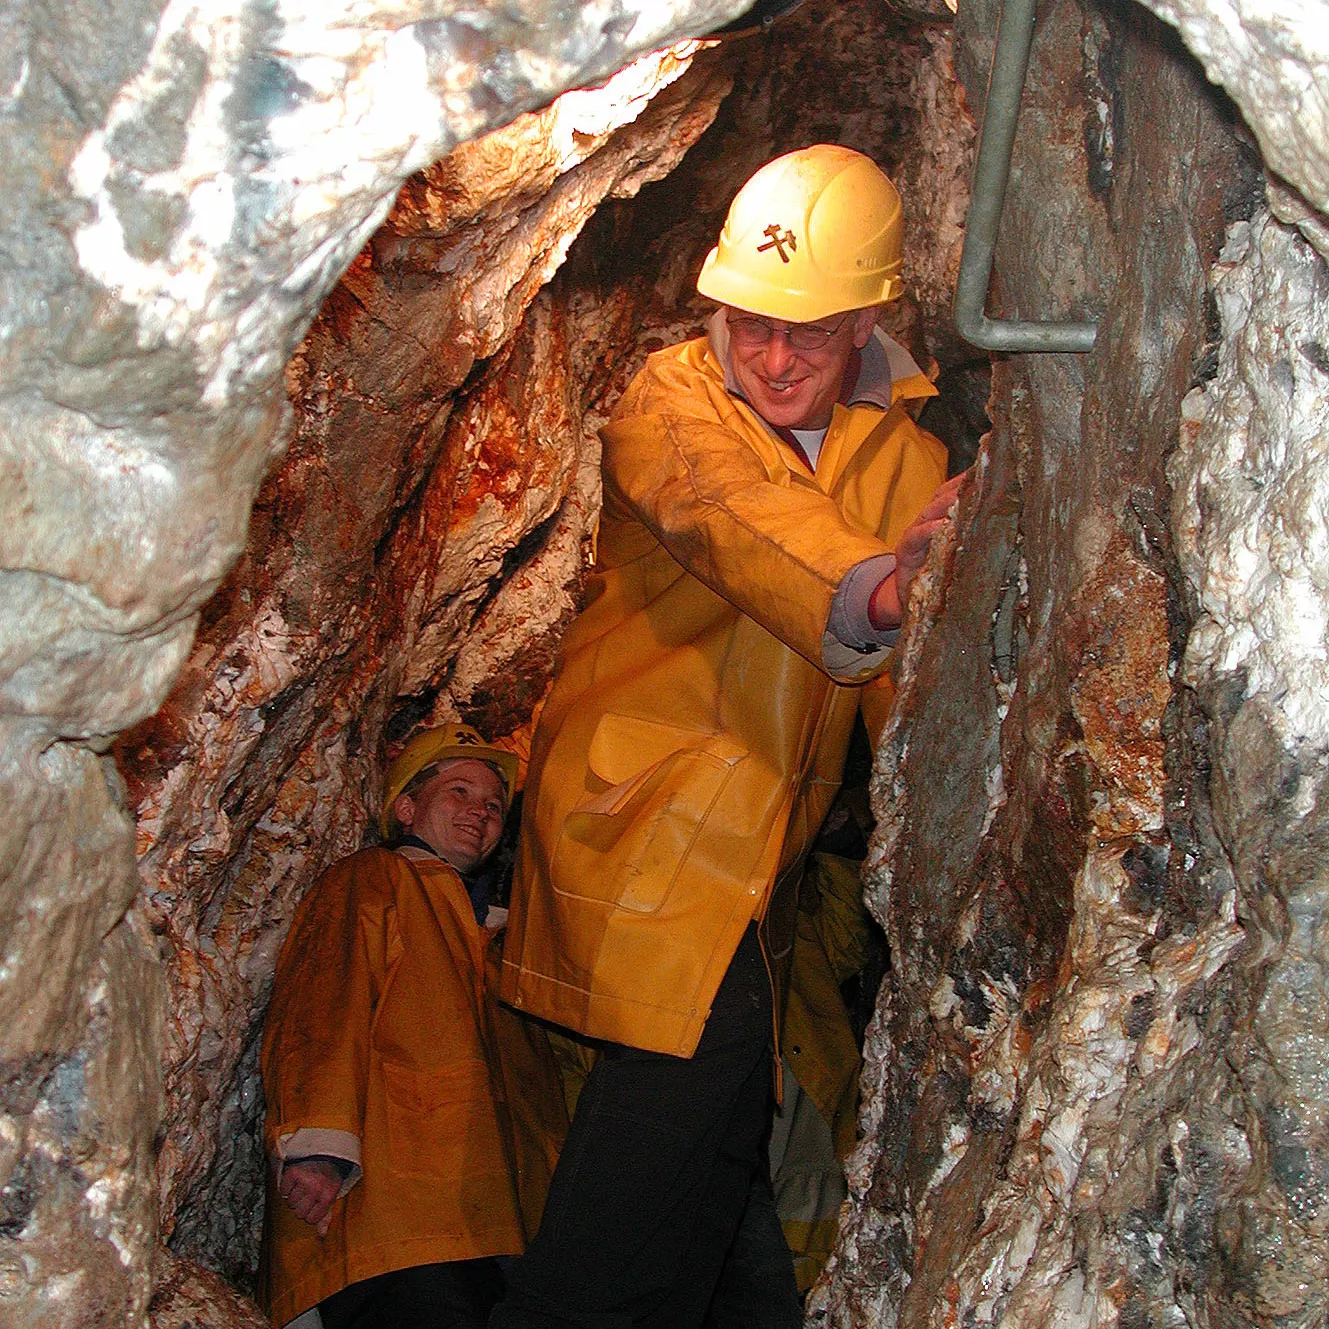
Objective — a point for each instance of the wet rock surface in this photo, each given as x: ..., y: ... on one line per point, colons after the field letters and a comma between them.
x: 1249, y: 488
x: 1273, y: 70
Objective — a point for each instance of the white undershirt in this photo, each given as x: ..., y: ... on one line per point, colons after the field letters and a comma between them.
x: 810, y: 440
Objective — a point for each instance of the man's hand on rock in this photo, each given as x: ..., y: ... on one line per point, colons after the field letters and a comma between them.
x: 890, y: 598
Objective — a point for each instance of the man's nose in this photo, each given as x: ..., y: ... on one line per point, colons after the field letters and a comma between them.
x: 778, y: 356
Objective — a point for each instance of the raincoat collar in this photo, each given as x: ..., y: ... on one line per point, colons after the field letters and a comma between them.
x: 477, y: 884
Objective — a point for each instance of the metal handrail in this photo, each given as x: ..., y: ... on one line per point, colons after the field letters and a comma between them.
x: 1010, y: 62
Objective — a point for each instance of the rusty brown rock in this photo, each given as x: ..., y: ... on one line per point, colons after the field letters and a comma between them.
x: 188, y: 1297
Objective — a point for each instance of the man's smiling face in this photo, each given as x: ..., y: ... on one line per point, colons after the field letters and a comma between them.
x: 788, y: 387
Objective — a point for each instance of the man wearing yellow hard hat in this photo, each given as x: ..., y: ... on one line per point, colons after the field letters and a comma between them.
x: 767, y: 499
x: 401, y: 1169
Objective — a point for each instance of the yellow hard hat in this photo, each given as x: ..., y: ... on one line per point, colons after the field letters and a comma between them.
x: 813, y: 233
x: 435, y: 745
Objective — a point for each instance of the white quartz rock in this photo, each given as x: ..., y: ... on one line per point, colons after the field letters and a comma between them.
x: 1251, y: 487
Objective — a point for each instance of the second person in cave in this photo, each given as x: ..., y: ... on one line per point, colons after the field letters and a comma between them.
x: 412, y: 1122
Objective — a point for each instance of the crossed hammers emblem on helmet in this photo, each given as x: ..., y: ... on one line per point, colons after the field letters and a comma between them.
x: 777, y: 240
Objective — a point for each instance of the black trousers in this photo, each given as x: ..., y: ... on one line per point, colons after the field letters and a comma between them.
x: 455, y: 1295
x: 758, y: 1288
x: 654, y: 1177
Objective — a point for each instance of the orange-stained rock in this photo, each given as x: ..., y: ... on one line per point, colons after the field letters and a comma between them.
x: 1120, y: 690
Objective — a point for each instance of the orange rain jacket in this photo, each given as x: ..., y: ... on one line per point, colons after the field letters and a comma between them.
x: 382, y: 1048
x: 696, y: 730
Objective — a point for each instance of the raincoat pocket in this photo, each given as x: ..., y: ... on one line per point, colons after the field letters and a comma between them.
x: 626, y: 844
x: 436, y: 1118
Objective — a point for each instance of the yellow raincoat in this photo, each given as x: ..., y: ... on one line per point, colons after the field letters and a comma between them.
x: 383, y: 1048
x: 696, y: 731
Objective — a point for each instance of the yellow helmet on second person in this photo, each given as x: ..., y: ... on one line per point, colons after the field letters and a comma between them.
x: 431, y: 746
x: 813, y: 233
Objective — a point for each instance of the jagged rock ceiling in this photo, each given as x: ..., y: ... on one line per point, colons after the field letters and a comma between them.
x: 1098, y: 1069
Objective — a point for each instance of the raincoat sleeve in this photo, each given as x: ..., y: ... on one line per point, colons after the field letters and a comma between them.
x: 680, y: 458
x: 315, y: 1053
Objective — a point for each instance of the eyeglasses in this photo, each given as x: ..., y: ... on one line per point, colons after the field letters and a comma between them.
x: 748, y: 330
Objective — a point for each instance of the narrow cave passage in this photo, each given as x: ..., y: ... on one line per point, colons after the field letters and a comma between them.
x: 1094, y: 1082
x: 417, y: 553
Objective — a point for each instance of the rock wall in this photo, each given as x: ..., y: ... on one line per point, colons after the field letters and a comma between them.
x: 1094, y: 1084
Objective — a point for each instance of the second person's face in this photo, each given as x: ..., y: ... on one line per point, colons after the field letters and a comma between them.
x: 459, y: 813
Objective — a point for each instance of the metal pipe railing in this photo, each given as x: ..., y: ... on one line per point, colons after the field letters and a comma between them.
x: 1010, y: 61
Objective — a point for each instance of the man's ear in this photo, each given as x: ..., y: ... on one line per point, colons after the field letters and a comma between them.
x: 403, y: 808
x: 865, y: 320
